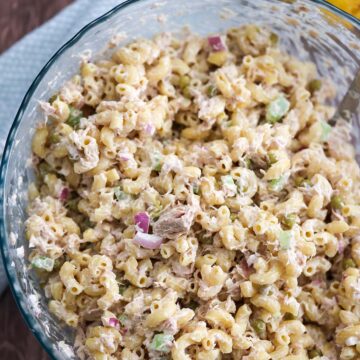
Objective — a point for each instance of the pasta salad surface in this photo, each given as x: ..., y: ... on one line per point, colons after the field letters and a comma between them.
x: 192, y: 202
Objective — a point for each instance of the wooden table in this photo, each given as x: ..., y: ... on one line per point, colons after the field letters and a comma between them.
x: 18, y: 17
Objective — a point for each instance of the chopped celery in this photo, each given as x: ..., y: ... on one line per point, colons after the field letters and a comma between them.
x: 186, y: 92
x: 122, y: 319
x: 44, y: 168
x: 285, y: 240
x: 54, y: 138
x: 336, y: 202
x: 122, y: 289
x: 314, y: 353
x: 119, y: 194
x: 72, y: 204
x: 314, y: 85
x: 43, y: 263
x: 196, y: 189
x: 158, y: 208
x: 156, y: 160
x: 162, y: 342
x: 74, y: 117
x: 205, y: 239
x: 157, y: 167
x: 277, y: 184
x: 348, y: 263
x: 53, y: 98
x: 274, y: 38
x: 228, y: 183
x: 272, y: 158
x: 289, y: 316
x: 233, y: 216
x: 302, y: 182
x: 184, y: 81
x: 211, y: 91
x: 325, y: 130
x: 298, y: 181
x: 259, y: 327
x: 58, y: 263
x: 289, y: 220
x: 277, y: 109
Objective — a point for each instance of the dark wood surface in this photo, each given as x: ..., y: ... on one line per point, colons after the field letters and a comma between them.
x: 16, y: 340
x: 18, y: 17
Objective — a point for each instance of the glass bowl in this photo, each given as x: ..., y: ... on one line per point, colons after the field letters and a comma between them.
x: 312, y: 30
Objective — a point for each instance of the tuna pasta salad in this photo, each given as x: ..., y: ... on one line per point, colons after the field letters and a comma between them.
x: 192, y: 202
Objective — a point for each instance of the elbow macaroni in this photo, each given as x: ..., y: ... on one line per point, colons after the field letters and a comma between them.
x: 192, y: 202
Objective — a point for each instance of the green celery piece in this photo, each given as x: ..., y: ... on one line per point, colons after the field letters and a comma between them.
x: 72, y: 204
x: 285, y: 240
x: 325, y: 131
x: 44, y: 168
x: 348, y: 263
x: 205, y: 240
x: 314, y: 85
x: 186, y: 92
x: 43, y: 263
x: 122, y: 289
x: 314, y: 353
x: 156, y: 160
x: 277, y: 109
x: 260, y: 327
x: 289, y: 316
x: 184, y: 81
x: 157, y: 167
x: 162, y: 342
x: 277, y: 184
x: 54, y: 138
x: 53, y: 98
x: 289, y: 220
x: 228, y: 181
x: 122, y: 319
x: 272, y: 158
x: 336, y: 202
x: 119, y: 194
x: 196, y: 189
x: 74, y: 117
x: 274, y: 38
x: 212, y: 91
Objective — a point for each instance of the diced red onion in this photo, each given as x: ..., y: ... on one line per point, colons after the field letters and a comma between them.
x: 64, y: 194
x: 216, y: 43
x: 123, y: 331
x: 113, y: 322
x: 148, y: 241
x: 246, y: 270
x: 341, y: 246
x: 124, y: 156
x: 142, y: 222
x: 150, y: 129
x: 317, y: 282
x: 251, y: 260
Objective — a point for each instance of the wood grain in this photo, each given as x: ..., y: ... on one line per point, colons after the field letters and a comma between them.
x: 18, y: 17
x: 16, y: 340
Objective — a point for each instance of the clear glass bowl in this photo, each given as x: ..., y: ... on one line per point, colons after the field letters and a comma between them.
x: 313, y: 30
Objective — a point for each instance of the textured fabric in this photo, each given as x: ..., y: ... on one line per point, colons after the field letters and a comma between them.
x: 22, y: 62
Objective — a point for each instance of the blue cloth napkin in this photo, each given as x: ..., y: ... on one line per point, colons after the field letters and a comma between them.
x: 22, y: 62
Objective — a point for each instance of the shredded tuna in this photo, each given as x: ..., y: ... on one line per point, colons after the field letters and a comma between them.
x: 174, y: 222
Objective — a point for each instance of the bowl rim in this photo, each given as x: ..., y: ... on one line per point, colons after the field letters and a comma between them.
x: 30, y: 318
